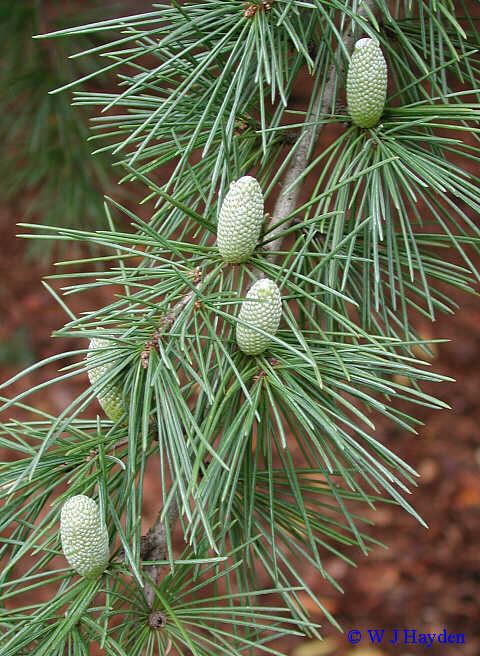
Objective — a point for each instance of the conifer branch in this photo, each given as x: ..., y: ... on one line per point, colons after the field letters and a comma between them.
x: 256, y: 494
x: 288, y: 199
x: 154, y: 543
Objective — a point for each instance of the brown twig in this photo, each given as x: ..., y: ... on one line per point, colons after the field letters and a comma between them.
x: 287, y: 200
x: 154, y: 547
x: 168, y: 319
x: 154, y: 543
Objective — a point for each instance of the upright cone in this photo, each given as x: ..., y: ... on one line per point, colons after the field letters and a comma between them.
x: 367, y: 84
x: 262, y: 308
x: 110, y: 397
x: 84, y: 537
x: 240, y: 220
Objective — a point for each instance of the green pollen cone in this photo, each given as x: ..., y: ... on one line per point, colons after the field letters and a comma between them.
x: 240, y: 220
x: 367, y: 84
x: 84, y: 536
x: 110, y: 397
x: 262, y: 308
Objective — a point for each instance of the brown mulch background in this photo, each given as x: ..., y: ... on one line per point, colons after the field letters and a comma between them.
x: 428, y: 579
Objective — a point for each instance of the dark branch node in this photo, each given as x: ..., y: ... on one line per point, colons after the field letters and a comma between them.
x: 312, y: 49
x: 157, y: 620
x: 252, y: 8
x: 259, y: 376
x: 290, y: 137
x: 388, y: 31
x: 206, y: 464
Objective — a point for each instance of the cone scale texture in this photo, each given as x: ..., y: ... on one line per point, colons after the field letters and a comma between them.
x: 84, y: 538
x: 110, y: 397
x: 366, y: 84
x: 262, y: 308
x: 240, y: 220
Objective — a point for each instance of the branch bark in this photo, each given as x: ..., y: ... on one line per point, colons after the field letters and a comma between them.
x: 154, y: 543
x: 287, y: 201
x: 169, y: 319
x: 154, y: 547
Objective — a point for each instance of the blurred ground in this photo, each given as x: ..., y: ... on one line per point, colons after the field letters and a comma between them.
x: 427, y: 579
